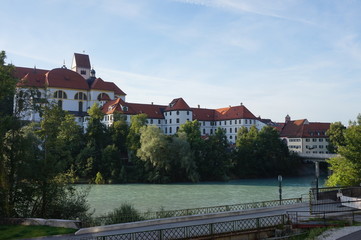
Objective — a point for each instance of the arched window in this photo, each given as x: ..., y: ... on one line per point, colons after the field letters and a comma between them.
x: 80, y: 96
x: 103, y: 96
x: 60, y: 94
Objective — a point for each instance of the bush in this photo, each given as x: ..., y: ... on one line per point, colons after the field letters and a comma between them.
x: 99, y: 178
x: 125, y: 213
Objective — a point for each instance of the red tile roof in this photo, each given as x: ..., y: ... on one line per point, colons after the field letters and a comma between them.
x: 82, y: 60
x: 30, y: 77
x: 65, y: 78
x: 100, y: 84
x: 152, y: 111
x: 61, y: 78
x: 303, y: 129
x: 177, y: 104
x: 203, y: 114
x: 237, y: 112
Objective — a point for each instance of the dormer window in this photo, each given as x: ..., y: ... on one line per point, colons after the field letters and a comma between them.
x: 82, y: 72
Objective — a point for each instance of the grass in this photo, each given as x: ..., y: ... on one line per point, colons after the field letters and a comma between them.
x: 19, y: 232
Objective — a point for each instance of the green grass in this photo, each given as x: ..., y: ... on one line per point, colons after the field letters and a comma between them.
x: 18, y: 231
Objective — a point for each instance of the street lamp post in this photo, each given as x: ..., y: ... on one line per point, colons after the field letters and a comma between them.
x: 280, y: 187
x: 317, y: 173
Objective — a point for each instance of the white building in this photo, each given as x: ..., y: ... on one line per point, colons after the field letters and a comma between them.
x: 304, y: 137
x: 76, y: 90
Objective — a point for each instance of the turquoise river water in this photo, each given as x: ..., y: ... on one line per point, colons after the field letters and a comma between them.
x: 153, y: 197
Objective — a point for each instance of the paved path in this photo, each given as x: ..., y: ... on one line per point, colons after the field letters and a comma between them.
x: 180, y: 222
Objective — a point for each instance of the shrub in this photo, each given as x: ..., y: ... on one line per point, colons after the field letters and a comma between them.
x: 125, y: 213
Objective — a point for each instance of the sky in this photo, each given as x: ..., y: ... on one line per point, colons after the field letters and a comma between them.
x: 277, y: 57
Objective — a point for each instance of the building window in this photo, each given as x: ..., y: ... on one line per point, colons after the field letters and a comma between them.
x: 314, y: 139
x: 177, y: 129
x: 103, y: 96
x: 235, y: 130
x: 220, y: 123
x: 158, y: 121
x: 204, y: 131
x: 82, y: 72
x: 187, y: 112
x: 151, y: 121
x: 177, y: 112
x: 307, y: 139
x: 230, y: 122
x: 230, y: 130
x: 166, y: 129
x: 177, y: 120
x: 230, y: 137
x: 204, y: 123
x: 320, y: 139
x: 225, y: 122
x: 60, y: 104
x: 170, y: 121
x: 170, y: 129
x: 80, y: 106
x: 320, y: 146
x: 211, y: 131
x: 170, y: 113
x: 60, y: 94
x: 80, y: 96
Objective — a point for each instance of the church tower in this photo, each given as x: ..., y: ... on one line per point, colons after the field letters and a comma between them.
x: 81, y: 65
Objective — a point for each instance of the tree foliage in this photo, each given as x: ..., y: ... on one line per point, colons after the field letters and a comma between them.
x: 346, y: 168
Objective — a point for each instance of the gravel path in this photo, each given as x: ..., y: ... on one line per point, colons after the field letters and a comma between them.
x: 334, y: 234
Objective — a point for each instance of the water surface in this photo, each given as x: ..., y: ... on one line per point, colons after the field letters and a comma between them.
x: 153, y: 197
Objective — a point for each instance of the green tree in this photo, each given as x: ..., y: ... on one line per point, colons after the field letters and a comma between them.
x: 346, y: 168
x: 97, y: 138
x: 216, y: 162
x: 183, y: 165
x: 336, y: 136
x: 154, y: 152
x: 136, y: 169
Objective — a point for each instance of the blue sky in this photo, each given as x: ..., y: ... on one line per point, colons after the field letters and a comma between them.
x: 279, y: 57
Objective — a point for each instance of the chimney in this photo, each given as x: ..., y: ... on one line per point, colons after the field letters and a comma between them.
x: 199, y: 106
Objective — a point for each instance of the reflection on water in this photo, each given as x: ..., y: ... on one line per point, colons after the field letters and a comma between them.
x: 152, y: 197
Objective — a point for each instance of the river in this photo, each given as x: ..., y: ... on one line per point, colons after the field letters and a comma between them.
x: 153, y: 197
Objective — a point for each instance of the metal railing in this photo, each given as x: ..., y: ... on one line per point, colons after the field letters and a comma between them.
x: 335, y: 199
x: 195, y: 211
x: 193, y: 231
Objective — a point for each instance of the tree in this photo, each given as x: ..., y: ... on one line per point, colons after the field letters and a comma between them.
x: 96, y: 140
x: 216, y: 162
x: 154, y: 151
x: 336, y: 136
x: 7, y: 86
x: 346, y: 168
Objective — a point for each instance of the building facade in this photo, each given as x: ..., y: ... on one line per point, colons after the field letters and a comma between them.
x: 304, y: 137
x: 77, y: 89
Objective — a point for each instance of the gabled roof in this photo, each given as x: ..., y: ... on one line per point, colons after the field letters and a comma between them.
x: 65, y: 78
x: 303, y: 129
x: 30, y: 77
x: 100, y: 84
x: 177, y: 104
x: 203, y: 114
x: 118, y: 105
x: 61, y: 78
x: 237, y: 112
x: 82, y: 60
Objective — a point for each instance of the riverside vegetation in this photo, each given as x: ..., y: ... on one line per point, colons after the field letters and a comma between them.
x: 38, y: 161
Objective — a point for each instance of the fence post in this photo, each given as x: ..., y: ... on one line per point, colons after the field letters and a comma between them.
x: 161, y: 234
